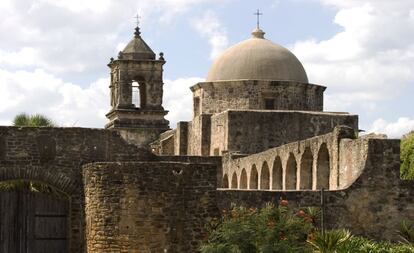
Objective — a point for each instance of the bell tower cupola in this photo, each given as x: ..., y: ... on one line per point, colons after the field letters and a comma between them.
x: 136, y: 92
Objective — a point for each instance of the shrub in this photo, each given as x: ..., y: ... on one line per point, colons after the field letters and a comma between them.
x: 341, y: 241
x: 35, y: 120
x: 407, y: 232
x: 267, y: 230
x: 407, y: 156
x: 330, y: 241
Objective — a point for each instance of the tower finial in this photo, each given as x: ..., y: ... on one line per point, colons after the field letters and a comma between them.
x: 258, y: 14
x: 137, y: 33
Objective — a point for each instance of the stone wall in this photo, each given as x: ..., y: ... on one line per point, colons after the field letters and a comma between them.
x: 304, y: 165
x: 148, y: 207
x: 373, y: 205
x: 216, y: 97
x: 198, y: 138
x: 181, y: 139
x: 219, y: 134
x: 250, y: 132
x: 55, y: 156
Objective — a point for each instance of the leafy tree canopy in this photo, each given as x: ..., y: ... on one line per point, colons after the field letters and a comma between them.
x: 35, y: 120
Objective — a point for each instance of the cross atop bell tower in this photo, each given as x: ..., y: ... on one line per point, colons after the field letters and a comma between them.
x: 136, y: 92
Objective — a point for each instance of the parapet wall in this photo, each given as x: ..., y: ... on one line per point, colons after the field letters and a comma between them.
x: 251, y: 131
x: 248, y: 132
x: 148, y: 207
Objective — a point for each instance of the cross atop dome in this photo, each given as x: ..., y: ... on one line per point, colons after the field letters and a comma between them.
x: 258, y: 33
x: 258, y: 14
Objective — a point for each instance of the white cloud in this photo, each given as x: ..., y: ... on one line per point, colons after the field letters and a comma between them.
x: 75, y: 36
x: 393, y: 129
x: 66, y: 103
x: 26, y: 56
x: 370, y: 60
x: 69, y: 104
x: 209, y: 27
x: 178, y: 99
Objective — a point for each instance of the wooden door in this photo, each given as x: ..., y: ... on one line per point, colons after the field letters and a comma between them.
x: 33, y: 223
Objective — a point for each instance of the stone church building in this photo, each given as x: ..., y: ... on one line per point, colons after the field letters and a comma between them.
x: 258, y: 134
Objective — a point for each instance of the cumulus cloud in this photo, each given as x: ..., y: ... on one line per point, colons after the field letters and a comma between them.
x: 370, y: 60
x: 66, y: 103
x: 43, y: 43
x: 393, y: 129
x: 178, y: 99
x: 209, y: 27
x: 74, y: 36
x: 70, y: 104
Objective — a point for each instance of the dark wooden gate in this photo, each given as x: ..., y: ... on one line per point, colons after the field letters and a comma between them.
x: 33, y: 223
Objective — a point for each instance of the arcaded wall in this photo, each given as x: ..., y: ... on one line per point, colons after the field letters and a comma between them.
x: 216, y: 97
x: 308, y: 164
x: 373, y: 205
x: 255, y: 131
x: 55, y: 156
x: 148, y: 207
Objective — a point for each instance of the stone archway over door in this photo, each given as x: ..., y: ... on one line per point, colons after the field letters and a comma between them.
x: 33, y: 222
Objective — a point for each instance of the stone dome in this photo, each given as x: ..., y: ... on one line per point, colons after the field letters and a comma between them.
x: 257, y: 59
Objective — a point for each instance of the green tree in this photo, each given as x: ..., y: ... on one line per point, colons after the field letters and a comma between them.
x: 407, y: 156
x: 35, y: 120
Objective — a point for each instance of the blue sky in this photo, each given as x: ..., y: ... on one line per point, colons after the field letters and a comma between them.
x: 53, y: 53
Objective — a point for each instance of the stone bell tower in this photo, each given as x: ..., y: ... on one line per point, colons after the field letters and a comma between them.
x: 136, y: 93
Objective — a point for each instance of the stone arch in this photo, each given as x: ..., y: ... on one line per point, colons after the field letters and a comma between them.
x: 69, y: 186
x: 243, y: 179
x: 254, y: 178
x: 139, y: 92
x: 290, y: 174
x: 323, y: 168
x: 38, y: 173
x: 306, y: 170
x: 233, y: 181
x: 277, y: 174
x: 225, y: 183
x: 265, y: 177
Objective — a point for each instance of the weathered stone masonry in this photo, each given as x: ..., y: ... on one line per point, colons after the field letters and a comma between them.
x: 372, y: 204
x: 147, y: 206
x: 55, y: 156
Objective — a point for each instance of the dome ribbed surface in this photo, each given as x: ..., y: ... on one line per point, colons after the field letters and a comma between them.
x: 257, y: 59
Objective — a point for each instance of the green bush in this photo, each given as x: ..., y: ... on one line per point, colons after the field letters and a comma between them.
x: 267, y: 230
x: 407, y: 156
x: 330, y: 241
x: 281, y: 230
x: 341, y: 241
x: 407, y: 232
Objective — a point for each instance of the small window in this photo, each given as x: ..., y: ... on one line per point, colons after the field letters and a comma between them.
x: 269, y: 104
x: 136, y: 97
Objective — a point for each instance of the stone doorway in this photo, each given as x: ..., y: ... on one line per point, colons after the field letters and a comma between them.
x: 33, y: 222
